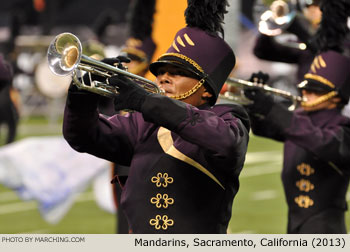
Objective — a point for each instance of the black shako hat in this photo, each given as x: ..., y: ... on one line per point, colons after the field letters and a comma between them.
x: 330, y: 71
x: 207, y: 56
x: 199, y: 48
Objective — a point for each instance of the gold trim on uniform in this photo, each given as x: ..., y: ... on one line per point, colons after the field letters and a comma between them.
x: 179, y: 40
x: 305, y: 185
x: 319, y: 79
x: 188, y: 39
x: 317, y: 63
x: 304, y: 201
x: 162, y: 200
x: 181, y: 56
x: 175, y: 46
x: 161, y: 222
x: 189, y: 92
x: 305, y: 169
x: 320, y: 99
x: 166, y: 142
x: 162, y: 179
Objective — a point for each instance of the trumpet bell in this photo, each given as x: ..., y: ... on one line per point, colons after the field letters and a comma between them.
x: 64, y: 54
x: 65, y: 57
x: 273, y: 17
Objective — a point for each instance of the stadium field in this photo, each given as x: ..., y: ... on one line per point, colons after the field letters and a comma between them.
x: 259, y: 206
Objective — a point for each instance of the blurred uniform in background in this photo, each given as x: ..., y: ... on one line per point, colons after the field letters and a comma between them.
x: 316, y: 136
x: 185, y: 153
x: 9, y: 101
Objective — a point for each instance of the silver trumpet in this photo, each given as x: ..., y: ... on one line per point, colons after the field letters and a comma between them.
x: 65, y: 57
x: 239, y: 97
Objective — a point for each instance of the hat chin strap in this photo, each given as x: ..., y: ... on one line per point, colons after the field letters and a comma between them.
x: 320, y: 99
x: 190, y: 92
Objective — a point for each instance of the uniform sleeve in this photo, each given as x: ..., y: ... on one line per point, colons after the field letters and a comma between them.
x: 221, y: 136
x: 87, y: 131
x: 328, y: 143
x: 266, y: 48
x: 264, y: 128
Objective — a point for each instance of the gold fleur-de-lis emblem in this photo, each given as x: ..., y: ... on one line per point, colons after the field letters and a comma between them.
x: 162, y: 200
x: 162, y: 179
x: 304, y: 201
x: 305, y: 185
x: 161, y: 222
x: 305, y: 169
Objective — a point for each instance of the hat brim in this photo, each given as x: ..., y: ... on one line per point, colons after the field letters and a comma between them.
x: 177, y: 62
x: 315, y: 86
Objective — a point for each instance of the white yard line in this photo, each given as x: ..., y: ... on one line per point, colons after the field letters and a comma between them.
x: 33, y: 205
x: 17, y: 207
x: 8, y: 196
x: 258, y: 170
x: 264, y: 195
x: 263, y: 156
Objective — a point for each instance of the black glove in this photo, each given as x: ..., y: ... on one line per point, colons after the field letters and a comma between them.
x: 115, y: 61
x: 131, y: 95
x: 262, y: 102
x: 259, y: 77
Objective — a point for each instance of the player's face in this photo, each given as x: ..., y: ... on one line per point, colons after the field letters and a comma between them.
x: 313, y: 96
x: 175, y: 81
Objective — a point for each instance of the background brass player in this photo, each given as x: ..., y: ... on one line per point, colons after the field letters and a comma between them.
x: 316, y: 136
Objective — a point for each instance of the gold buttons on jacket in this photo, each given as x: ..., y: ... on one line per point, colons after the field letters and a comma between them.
x: 305, y: 169
x: 305, y: 185
x: 162, y: 200
x: 162, y: 179
x: 161, y: 222
x: 304, y: 201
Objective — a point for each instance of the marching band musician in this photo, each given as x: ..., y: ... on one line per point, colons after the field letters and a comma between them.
x: 316, y: 136
x: 185, y: 154
x: 316, y: 140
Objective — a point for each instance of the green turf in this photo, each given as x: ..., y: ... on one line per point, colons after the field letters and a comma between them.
x: 259, y: 206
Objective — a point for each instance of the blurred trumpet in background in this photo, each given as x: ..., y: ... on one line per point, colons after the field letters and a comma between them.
x: 235, y: 92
